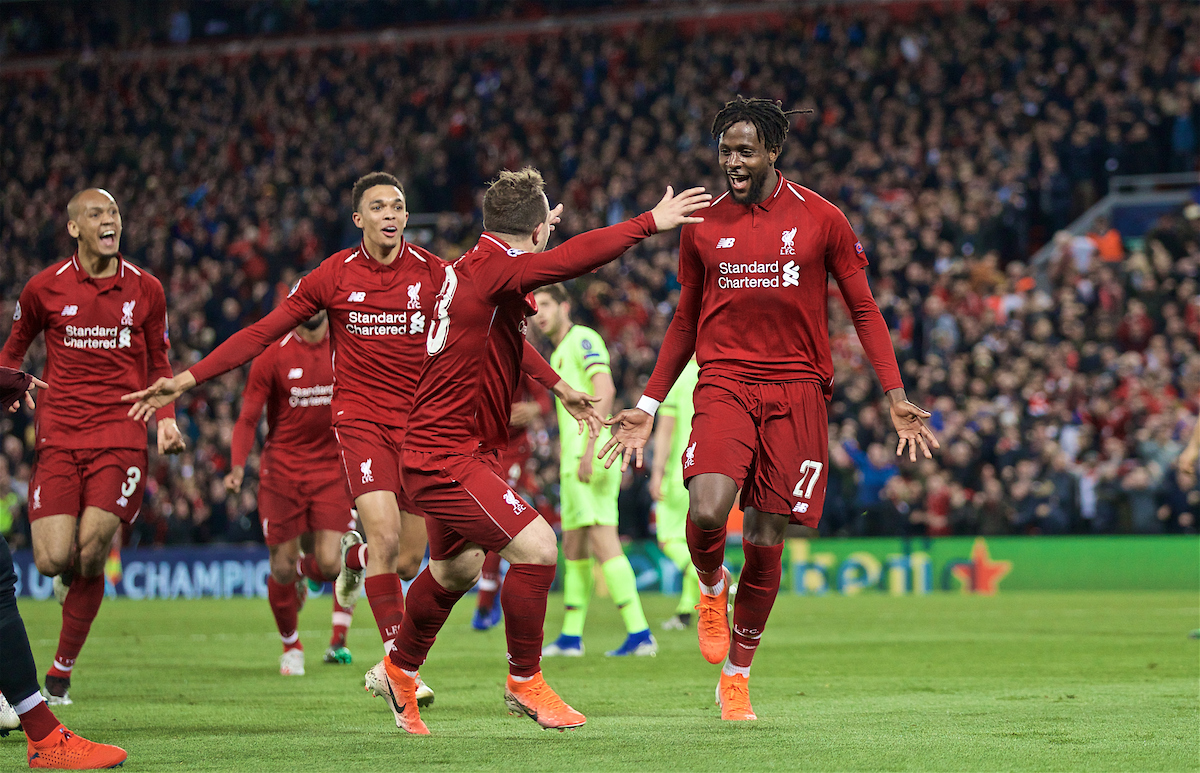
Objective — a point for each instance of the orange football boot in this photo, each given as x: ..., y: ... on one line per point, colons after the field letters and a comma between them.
x: 401, y: 695
x: 64, y: 750
x: 537, y: 701
x: 712, y: 624
x: 733, y: 696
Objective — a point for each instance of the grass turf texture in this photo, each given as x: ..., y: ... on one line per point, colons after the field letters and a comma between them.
x: 1021, y: 681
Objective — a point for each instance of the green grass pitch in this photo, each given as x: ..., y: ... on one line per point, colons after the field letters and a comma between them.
x: 1021, y: 681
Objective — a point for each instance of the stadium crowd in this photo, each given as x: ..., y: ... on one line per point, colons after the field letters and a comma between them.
x: 956, y: 143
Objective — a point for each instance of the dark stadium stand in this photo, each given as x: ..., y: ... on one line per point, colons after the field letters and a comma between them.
x: 957, y: 142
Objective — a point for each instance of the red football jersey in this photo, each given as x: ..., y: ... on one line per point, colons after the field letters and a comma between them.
x: 377, y: 322
x: 104, y: 338
x: 476, y: 340
x: 294, y: 379
x: 761, y: 272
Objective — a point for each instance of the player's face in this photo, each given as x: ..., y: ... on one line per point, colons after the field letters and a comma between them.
x: 549, y: 314
x: 746, y: 162
x: 382, y: 215
x: 97, y: 224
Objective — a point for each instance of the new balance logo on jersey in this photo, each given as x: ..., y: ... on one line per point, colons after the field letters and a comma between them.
x: 37, y: 499
x: 295, y: 373
x: 365, y: 469
x: 726, y: 243
x: 122, y: 501
x: 414, y: 296
x: 515, y: 502
x: 689, y: 455
x: 791, y: 274
x: 70, y: 310
x: 801, y: 507
x: 356, y: 297
x: 789, y: 242
x: 127, y: 312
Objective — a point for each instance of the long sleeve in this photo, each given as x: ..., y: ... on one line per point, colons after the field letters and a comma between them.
x: 534, y: 364
x: 527, y: 271
x: 158, y: 346
x: 28, y: 321
x: 872, y: 330
x: 254, y: 397
x: 248, y: 343
x: 678, y: 344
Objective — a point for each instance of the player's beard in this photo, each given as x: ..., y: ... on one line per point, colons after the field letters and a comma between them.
x: 753, y: 190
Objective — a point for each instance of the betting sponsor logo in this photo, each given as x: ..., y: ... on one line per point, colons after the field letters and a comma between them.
x: 127, y: 312
x: 789, y: 242
x: 791, y: 274
x: 70, y: 310
x: 310, y: 397
x: 689, y: 455
x: 356, y: 297
x: 725, y: 243
x: 414, y: 296
x: 514, y: 502
x: 295, y: 373
x: 365, y: 469
x: 365, y: 323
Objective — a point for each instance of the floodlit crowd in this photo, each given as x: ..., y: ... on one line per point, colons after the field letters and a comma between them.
x: 956, y: 144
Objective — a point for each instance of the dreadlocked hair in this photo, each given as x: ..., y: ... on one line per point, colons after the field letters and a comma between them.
x: 767, y: 116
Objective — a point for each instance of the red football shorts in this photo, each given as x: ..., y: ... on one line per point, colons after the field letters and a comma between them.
x: 66, y: 480
x: 289, y: 507
x: 371, y: 457
x: 772, y: 439
x: 465, y: 500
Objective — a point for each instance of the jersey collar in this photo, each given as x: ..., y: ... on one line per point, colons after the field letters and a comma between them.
x: 375, y: 265
x: 114, y: 282
x: 770, y: 200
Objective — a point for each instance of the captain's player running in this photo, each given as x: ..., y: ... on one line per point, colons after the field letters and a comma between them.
x: 301, y: 487
x: 754, y: 308
x: 459, y: 422
x: 105, y: 326
x: 588, y: 491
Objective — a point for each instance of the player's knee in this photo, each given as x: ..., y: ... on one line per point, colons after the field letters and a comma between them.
x: 50, y: 565
x: 408, y: 566
x: 708, y: 514
x: 330, y: 567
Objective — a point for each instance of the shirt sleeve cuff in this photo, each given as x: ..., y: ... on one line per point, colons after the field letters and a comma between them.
x: 648, y: 404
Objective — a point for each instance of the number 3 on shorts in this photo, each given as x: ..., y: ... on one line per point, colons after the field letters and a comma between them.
x: 130, y: 484
x: 810, y: 472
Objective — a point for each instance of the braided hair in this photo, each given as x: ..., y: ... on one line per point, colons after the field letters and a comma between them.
x: 767, y: 116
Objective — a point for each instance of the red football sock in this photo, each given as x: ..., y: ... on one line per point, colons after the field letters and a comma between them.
x: 356, y: 558
x: 79, y: 610
x: 308, y: 567
x: 387, y: 604
x: 757, y: 588
x: 429, y: 605
x: 708, y: 551
x: 524, y: 604
x: 286, y: 608
x: 489, y: 581
x: 341, y: 623
x: 39, y: 721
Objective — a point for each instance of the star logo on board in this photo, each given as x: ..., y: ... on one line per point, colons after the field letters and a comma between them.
x: 981, y: 575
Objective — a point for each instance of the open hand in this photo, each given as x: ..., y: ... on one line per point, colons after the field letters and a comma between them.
x: 161, y: 393
x: 631, y: 429
x: 579, y: 405
x: 909, y: 421
x: 674, y: 210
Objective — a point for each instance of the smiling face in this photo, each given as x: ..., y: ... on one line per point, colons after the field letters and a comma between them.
x: 94, y: 221
x: 746, y: 162
x: 382, y: 215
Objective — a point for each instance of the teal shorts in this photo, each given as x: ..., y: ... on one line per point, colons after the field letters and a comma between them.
x: 589, y: 504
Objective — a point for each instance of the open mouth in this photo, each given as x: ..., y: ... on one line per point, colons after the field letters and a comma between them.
x: 390, y: 230
x: 739, y: 182
x: 108, y: 237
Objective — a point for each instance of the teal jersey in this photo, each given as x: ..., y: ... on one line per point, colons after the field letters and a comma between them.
x: 679, y: 404
x: 578, y: 358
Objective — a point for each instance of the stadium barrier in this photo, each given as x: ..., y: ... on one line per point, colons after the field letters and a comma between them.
x: 811, y: 567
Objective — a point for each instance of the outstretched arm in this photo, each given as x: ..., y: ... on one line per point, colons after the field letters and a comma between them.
x: 908, y: 419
